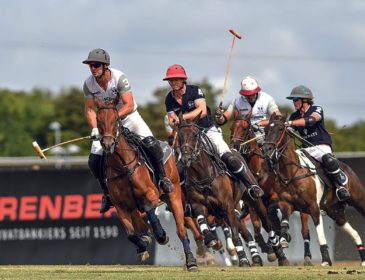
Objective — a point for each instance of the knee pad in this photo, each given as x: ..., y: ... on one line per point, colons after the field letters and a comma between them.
x: 232, y: 161
x: 152, y: 147
x: 330, y: 163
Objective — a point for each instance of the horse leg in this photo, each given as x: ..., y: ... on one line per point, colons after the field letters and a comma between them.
x: 265, y: 248
x: 286, y: 211
x: 198, y: 237
x: 318, y: 223
x: 247, y: 236
x: 306, y: 237
x: 147, y: 193
x: 234, y: 223
x: 174, y: 201
x: 273, y: 241
x: 210, y: 240
x: 338, y: 215
x: 140, y: 243
x: 229, y: 243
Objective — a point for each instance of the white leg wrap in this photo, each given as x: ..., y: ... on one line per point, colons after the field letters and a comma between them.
x: 352, y: 232
x: 320, y: 232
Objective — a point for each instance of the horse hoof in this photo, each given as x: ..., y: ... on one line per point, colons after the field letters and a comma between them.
x: 283, y: 261
x: 244, y: 263
x: 163, y: 240
x: 234, y: 259
x: 218, y: 245
x: 325, y: 264
x: 271, y: 257
x: 192, y: 269
x: 307, y: 261
x: 210, y: 262
x: 143, y: 256
x: 257, y: 261
x: 200, y: 259
x: 284, y: 243
x: 231, y: 252
x: 191, y: 262
x: 363, y: 264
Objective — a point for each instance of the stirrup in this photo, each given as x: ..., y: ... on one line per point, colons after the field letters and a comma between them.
x: 255, y: 192
x: 106, y: 204
x: 166, y: 185
x: 342, y: 193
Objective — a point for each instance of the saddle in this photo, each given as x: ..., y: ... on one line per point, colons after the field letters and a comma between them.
x: 316, y: 167
x: 135, y: 141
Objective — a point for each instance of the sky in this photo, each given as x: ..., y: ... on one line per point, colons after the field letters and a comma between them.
x: 317, y: 43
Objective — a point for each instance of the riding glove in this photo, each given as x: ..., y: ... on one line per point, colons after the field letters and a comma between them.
x: 95, y: 135
x: 255, y: 127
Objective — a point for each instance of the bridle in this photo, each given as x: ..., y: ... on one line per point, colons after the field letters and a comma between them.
x: 279, y: 148
x: 188, y: 150
x: 104, y: 135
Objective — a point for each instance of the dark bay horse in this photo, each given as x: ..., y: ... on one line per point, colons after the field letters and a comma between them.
x: 243, y: 140
x: 306, y: 191
x: 209, y: 188
x: 131, y: 185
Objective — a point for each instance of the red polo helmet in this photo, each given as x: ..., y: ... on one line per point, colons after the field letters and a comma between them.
x: 249, y: 86
x: 175, y: 71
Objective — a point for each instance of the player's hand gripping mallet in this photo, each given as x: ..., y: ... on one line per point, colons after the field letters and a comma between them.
x: 235, y: 35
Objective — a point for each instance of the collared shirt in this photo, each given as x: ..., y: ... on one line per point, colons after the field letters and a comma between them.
x: 315, y: 134
x: 262, y: 109
x: 117, y: 85
x: 191, y: 94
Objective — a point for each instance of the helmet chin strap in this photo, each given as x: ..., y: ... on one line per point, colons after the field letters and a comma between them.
x: 102, y: 74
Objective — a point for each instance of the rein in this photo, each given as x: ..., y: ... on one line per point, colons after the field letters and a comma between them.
x: 279, y: 153
x: 122, y: 168
x: 195, y: 155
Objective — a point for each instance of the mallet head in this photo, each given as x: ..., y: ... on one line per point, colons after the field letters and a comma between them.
x: 38, y: 150
x: 235, y: 33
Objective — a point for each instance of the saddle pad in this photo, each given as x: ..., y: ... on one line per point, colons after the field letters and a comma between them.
x: 166, y: 149
x: 305, y: 161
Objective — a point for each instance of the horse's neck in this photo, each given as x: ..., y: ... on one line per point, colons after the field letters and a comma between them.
x: 289, y: 159
x: 203, y: 166
x: 257, y: 161
x: 125, y: 151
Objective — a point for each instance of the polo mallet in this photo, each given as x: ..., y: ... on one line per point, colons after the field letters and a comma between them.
x: 40, y: 152
x: 235, y: 35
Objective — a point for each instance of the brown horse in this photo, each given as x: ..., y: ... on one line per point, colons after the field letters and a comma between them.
x: 131, y: 186
x: 244, y: 141
x: 209, y: 188
x: 305, y: 191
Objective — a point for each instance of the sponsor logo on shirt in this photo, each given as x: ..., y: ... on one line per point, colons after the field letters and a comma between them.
x: 191, y: 105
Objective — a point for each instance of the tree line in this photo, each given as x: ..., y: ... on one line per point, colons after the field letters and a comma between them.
x: 26, y: 117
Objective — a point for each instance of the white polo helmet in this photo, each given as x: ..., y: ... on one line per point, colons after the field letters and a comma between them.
x: 249, y: 86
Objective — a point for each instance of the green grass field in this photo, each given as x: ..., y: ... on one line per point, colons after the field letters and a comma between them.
x: 173, y: 272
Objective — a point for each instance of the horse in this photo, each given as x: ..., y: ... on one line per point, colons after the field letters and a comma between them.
x: 306, y: 191
x: 131, y: 186
x: 244, y: 141
x: 209, y: 188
